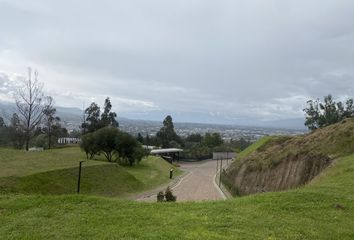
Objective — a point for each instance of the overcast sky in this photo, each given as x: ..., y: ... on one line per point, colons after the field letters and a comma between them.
x: 258, y: 59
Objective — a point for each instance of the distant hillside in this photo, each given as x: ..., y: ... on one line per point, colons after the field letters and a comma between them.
x: 73, y: 117
x: 278, y: 163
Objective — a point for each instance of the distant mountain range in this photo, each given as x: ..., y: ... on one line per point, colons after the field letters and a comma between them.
x: 73, y: 116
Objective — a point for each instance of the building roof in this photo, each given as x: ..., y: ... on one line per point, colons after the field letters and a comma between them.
x: 166, y: 150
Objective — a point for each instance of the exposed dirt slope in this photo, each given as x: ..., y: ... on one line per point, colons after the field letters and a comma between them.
x: 287, y: 162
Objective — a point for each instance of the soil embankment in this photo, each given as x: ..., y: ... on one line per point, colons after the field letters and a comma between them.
x: 288, y: 162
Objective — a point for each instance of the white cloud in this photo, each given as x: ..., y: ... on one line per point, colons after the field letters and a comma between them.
x: 257, y: 58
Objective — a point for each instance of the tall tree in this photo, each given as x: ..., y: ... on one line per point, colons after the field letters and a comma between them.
x: 140, y: 138
x: 108, y: 118
x: 92, y: 122
x: 30, y: 103
x: 167, y: 133
x: 95, y: 121
x: 50, y: 119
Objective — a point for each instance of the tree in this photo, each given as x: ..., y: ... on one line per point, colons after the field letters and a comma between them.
x: 167, y: 133
x: 50, y: 120
x: 2, y: 122
x: 95, y: 121
x: 140, y: 138
x: 87, y: 144
x: 104, y: 140
x: 108, y: 118
x: 4, y: 133
x: 128, y: 148
x: 320, y: 114
x: 194, y: 137
x: 17, y: 132
x: 30, y: 103
x: 92, y: 122
x: 213, y: 140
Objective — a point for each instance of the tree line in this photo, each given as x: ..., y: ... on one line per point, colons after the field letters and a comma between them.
x: 320, y: 114
x: 101, y: 135
x: 195, y: 146
x: 34, y: 121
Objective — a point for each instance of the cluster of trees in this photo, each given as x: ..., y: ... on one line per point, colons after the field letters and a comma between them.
x: 114, y: 144
x: 195, y: 145
x: 94, y: 120
x: 320, y: 114
x: 102, y: 136
x: 202, y: 147
x: 34, y: 121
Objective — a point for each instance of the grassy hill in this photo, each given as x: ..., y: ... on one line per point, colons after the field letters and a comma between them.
x: 55, y: 172
x: 324, y: 209
x: 333, y: 141
x: 283, y: 162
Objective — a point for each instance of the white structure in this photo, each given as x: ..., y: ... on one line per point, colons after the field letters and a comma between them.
x: 168, y: 154
x: 165, y: 150
x: 69, y: 140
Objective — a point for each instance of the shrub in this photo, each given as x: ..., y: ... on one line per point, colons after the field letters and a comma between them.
x: 169, y: 195
x: 160, y: 197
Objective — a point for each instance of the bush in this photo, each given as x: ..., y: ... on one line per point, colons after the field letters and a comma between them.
x: 41, y: 141
x: 87, y: 144
x: 160, y: 197
x: 169, y: 195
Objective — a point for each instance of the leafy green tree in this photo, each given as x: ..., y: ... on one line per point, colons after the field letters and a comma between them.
x: 92, y: 121
x: 104, y: 140
x: 140, y: 138
x: 108, y: 118
x: 320, y: 114
x: 50, y: 120
x: 128, y: 148
x: 88, y: 145
x: 167, y: 133
x: 95, y: 121
x: 194, y: 137
x: 212, y: 140
x: 17, y: 132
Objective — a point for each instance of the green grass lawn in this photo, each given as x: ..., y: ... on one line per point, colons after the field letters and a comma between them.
x: 254, y: 146
x: 21, y: 163
x: 324, y: 209
x: 55, y: 172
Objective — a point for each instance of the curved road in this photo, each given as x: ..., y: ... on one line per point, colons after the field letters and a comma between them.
x: 197, y: 185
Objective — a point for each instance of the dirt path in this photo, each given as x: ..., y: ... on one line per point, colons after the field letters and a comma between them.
x: 197, y: 185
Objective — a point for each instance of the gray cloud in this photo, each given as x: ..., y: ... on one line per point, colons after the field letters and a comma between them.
x: 237, y: 59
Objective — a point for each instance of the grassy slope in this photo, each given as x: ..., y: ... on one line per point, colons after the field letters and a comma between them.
x: 304, y: 213
x: 55, y: 172
x: 334, y: 141
x: 20, y: 163
x: 250, y: 149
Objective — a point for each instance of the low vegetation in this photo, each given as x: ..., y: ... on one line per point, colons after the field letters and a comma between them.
x: 333, y: 141
x: 282, y: 162
x: 55, y: 172
x: 324, y: 209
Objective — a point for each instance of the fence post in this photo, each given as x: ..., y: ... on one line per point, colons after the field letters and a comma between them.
x: 79, y: 178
